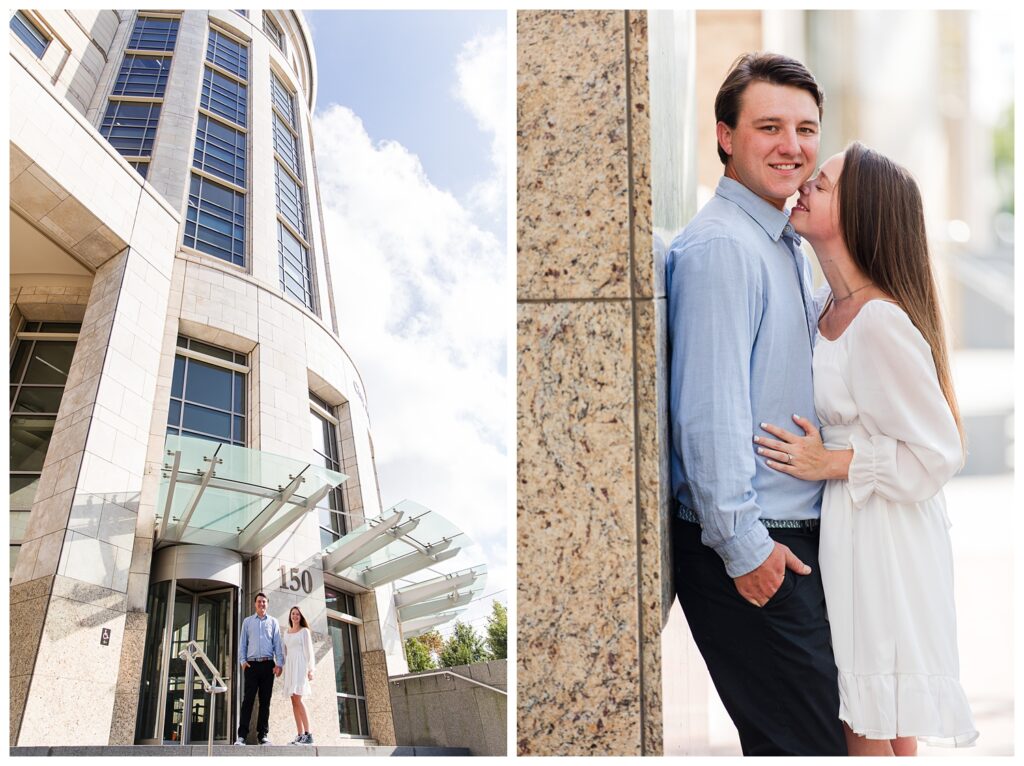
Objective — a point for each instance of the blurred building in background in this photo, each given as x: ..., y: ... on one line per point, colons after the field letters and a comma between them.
x: 933, y: 90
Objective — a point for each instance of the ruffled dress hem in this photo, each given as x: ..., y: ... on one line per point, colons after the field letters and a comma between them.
x: 932, y: 708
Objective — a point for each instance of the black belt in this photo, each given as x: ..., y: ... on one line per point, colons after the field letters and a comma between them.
x: 807, y: 524
x: 260, y: 659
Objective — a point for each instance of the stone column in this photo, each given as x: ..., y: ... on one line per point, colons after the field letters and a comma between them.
x: 591, y: 458
x: 71, y: 581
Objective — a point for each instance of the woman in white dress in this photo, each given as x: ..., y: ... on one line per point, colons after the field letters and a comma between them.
x: 298, y: 671
x: 891, y: 437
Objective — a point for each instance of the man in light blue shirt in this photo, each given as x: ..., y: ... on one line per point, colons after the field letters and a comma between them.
x: 261, y: 658
x: 742, y: 324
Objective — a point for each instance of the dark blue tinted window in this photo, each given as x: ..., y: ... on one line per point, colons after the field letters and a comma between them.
x: 224, y: 97
x: 131, y: 127
x: 220, y: 150
x: 152, y: 34
x: 142, y: 76
x: 295, y: 272
x: 29, y: 33
x: 286, y: 145
x: 282, y: 99
x: 228, y: 54
x: 215, y: 223
x: 289, y: 200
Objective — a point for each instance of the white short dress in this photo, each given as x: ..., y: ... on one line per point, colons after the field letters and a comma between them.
x: 298, y: 660
x: 885, y: 554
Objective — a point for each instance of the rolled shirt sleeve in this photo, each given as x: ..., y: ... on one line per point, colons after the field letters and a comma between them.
x: 716, y: 293
x: 913, y: 446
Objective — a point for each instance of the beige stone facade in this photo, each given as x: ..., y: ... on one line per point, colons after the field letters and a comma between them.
x: 95, y: 243
x: 591, y: 501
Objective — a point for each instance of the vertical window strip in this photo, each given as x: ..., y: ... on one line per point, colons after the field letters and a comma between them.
x: 294, y: 256
x: 130, y: 126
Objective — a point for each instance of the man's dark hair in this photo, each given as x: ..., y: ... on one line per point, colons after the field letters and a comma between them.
x: 258, y: 595
x: 761, y: 67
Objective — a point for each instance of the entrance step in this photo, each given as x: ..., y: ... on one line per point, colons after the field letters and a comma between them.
x: 310, y: 751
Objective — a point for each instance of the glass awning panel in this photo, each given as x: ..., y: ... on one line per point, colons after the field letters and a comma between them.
x: 404, y: 539
x: 420, y: 626
x: 453, y: 597
x: 234, y: 497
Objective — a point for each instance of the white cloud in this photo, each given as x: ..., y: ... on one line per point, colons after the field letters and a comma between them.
x: 481, y: 88
x: 423, y: 309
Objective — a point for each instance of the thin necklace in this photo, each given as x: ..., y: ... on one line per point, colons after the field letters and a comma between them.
x: 862, y: 287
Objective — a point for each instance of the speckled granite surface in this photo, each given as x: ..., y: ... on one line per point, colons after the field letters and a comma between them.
x: 590, y: 466
x: 573, y: 179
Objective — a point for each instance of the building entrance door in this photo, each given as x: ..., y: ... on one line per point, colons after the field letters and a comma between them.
x: 207, y: 618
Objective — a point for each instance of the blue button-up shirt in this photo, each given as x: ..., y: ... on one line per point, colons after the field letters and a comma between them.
x: 261, y: 637
x: 741, y: 333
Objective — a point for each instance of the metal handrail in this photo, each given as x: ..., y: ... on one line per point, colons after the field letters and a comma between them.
x: 216, y: 685
x: 412, y: 676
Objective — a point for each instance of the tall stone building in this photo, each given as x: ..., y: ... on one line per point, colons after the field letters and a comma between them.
x: 187, y: 428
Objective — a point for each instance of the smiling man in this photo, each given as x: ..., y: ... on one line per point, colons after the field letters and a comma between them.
x: 741, y: 333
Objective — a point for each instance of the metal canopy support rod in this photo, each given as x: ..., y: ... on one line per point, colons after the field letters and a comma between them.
x: 425, y: 608
x: 402, y: 566
x: 423, y: 624
x: 276, y: 527
x: 179, y: 527
x: 427, y: 590
x: 170, y: 493
x: 351, y: 551
x: 254, y: 527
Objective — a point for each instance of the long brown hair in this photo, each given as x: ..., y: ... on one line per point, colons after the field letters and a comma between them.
x: 881, y: 218
x: 302, y: 618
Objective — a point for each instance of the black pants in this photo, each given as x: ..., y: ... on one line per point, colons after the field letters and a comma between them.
x: 772, y: 666
x: 259, y: 678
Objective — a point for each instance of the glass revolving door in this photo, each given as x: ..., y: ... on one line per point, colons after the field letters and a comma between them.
x: 173, y: 706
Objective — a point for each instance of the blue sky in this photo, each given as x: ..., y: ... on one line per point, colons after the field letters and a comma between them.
x: 395, y: 69
x: 412, y: 122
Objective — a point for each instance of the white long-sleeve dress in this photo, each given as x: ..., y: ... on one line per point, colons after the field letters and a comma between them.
x: 298, y: 660
x: 885, y: 554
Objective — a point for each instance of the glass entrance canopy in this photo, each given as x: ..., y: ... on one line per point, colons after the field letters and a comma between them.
x: 430, y: 603
x: 233, y: 497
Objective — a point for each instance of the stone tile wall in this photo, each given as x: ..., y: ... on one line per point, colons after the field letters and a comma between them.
x: 591, y: 413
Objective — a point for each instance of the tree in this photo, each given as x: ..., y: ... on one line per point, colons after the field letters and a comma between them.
x: 418, y: 655
x: 463, y: 647
x: 497, y: 631
x: 434, y: 643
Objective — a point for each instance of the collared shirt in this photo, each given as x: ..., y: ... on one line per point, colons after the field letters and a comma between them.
x: 261, y: 637
x: 742, y: 324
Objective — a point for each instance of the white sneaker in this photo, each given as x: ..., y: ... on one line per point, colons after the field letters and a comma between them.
x: 264, y: 740
x: 297, y: 740
x: 239, y: 741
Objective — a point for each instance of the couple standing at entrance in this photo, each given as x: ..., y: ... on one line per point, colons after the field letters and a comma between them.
x: 264, y: 654
x: 860, y: 378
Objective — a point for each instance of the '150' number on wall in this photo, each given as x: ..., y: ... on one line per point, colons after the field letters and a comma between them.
x: 296, y: 579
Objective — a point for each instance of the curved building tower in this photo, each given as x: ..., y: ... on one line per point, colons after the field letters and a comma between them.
x: 187, y: 429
